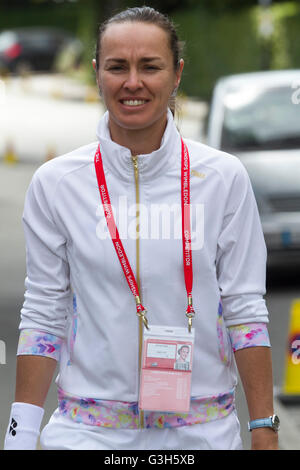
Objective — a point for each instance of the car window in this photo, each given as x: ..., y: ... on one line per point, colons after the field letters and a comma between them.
x: 7, y: 39
x: 260, y: 120
x: 38, y: 40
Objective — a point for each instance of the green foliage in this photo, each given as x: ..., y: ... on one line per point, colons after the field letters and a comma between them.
x: 232, y: 42
x: 216, y: 46
x: 285, y: 41
x: 48, y: 14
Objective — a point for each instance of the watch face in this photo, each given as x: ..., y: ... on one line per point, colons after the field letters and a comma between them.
x: 275, y: 421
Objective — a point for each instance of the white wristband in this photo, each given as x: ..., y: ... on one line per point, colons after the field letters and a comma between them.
x: 24, y: 427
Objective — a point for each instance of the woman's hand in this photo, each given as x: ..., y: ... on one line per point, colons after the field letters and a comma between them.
x: 264, y: 439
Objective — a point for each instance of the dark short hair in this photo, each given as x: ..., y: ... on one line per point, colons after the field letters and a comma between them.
x: 182, y: 347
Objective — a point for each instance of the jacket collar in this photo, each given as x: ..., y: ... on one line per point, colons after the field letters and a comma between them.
x: 117, y: 159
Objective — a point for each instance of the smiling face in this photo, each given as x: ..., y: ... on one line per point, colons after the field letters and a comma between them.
x: 136, y: 76
x: 184, y: 352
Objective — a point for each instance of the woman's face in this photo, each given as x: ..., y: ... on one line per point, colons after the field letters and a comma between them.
x: 136, y: 74
x: 184, y: 352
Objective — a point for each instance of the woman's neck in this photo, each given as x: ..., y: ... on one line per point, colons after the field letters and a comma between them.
x: 138, y: 141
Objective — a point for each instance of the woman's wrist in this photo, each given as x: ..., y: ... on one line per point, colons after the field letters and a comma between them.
x: 23, y: 427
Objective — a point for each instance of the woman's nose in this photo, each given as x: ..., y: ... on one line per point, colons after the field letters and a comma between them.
x: 133, y: 81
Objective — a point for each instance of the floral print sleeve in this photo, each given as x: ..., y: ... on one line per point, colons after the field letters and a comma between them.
x: 249, y: 335
x: 39, y: 343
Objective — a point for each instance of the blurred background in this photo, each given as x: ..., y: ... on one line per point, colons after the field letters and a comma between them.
x: 240, y: 92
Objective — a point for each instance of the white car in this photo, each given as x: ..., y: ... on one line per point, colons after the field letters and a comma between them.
x: 256, y: 116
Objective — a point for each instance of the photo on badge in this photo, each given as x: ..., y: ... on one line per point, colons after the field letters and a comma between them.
x: 182, y: 357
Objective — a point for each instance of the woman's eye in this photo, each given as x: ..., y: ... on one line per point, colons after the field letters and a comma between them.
x: 116, y: 68
x: 152, y: 67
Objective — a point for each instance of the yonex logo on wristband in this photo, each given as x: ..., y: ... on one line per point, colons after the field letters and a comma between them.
x: 12, y: 428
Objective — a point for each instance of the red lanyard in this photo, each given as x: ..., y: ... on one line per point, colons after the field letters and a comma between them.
x: 186, y: 229
x: 186, y: 233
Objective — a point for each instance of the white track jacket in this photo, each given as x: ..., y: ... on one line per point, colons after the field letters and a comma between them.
x: 70, y: 255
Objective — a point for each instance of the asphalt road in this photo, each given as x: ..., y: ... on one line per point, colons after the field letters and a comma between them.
x: 68, y: 132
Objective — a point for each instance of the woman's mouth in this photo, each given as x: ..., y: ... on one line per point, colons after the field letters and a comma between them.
x: 133, y: 102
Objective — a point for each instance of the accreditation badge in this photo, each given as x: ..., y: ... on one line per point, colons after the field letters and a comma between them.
x: 166, y: 372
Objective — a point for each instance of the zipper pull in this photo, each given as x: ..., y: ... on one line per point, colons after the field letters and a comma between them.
x: 135, y: 163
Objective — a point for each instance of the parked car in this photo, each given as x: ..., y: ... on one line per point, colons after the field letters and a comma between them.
x: 31, y: 49
x: 256, y: 117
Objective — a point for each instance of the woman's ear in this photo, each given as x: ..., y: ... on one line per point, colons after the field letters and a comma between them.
x: 179, y: 73
x: 97, y: 75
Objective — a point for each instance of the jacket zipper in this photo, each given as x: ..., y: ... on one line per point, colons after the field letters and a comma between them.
x: 137, y: 198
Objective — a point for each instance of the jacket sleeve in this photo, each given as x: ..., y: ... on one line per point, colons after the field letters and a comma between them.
x: 241, y: 255
x: 39, y: 343
x: 249, y: 335
x: 47, y: 296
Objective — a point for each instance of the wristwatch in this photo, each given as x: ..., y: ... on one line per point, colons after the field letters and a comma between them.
x: 272, y: 422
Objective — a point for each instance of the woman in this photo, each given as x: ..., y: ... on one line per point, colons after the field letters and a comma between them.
x: 182, y: 360
x: 78, y: 306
